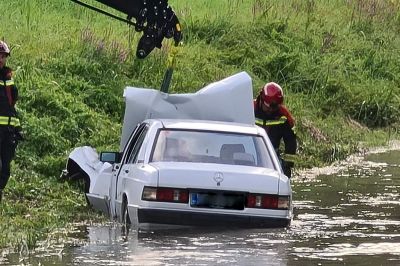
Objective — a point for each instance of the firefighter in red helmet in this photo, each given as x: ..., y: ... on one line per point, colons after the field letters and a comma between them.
x: 9, y: 123
x: 278, y: 122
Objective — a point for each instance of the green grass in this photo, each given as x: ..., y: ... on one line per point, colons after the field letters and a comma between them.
x: 34, y: 206
x: 338, y: 62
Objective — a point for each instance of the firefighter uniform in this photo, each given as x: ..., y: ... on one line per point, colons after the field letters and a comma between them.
x: 279, y: 125
x: 9, y: 123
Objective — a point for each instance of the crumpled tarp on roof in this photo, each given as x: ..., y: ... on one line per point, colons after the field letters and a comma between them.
x: 229, y: 100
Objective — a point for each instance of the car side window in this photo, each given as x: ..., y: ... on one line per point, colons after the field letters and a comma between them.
x: 136, y: 144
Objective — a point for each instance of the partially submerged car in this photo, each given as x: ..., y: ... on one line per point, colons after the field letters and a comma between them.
x: 209, y: 165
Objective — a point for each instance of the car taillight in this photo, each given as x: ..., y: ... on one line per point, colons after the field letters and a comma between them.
x: 263, y: 201
x: 164, y: 194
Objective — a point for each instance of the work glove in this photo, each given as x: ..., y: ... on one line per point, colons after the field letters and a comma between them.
x: 18, y: 134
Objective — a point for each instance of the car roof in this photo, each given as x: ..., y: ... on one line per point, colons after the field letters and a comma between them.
x: 208, y: 125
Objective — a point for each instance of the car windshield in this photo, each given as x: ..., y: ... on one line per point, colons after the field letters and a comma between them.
x: 211, y: 147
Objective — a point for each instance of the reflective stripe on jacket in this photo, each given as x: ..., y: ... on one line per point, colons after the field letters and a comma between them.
x: 7, y: 120
x: 261, y: 122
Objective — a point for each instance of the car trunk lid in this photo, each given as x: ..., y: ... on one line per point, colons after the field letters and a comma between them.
x: 207, y: 177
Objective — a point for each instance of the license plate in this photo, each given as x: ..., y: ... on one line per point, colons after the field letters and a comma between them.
x: 217, y: 200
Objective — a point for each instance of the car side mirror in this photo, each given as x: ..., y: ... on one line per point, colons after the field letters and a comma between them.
x: 110, y: 157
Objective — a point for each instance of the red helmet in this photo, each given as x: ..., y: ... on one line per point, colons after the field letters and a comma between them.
x: 4, y: 48
x: 272, y: 93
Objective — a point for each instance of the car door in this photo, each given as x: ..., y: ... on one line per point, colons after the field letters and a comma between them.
x: 128, y: 160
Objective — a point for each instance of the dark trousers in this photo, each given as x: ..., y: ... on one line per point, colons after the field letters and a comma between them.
x: 287, y: 170
x: 7, y: 152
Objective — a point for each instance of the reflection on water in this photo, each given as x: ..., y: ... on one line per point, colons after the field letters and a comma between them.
x: 352, y: 217
x: 185, y: 246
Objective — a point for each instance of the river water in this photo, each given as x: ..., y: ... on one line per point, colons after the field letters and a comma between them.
x: 348, y: 217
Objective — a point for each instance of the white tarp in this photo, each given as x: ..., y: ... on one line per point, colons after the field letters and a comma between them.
x: 229, y: 100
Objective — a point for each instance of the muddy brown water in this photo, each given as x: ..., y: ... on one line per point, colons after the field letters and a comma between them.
x: 351, y: 217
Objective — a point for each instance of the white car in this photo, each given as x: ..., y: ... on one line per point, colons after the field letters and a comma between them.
x: 188, y: 172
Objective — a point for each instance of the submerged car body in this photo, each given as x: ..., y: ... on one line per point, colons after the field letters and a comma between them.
x: 189, y: 172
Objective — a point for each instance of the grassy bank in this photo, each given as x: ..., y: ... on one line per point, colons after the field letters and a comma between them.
x: 338, y: 62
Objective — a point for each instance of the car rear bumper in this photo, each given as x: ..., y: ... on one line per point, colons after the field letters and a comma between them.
x: 208, y: 219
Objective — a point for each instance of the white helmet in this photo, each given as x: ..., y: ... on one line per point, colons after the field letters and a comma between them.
x: 4, y: 48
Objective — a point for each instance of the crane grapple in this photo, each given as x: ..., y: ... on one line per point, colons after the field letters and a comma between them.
x: 155, y: 18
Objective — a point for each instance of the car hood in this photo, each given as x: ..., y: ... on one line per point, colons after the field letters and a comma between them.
x: 218, y: 177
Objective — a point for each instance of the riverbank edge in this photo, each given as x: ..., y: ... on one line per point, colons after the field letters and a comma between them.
x: 340, y: 165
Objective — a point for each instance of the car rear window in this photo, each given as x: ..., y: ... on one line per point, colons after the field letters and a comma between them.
x: 211, y: 147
